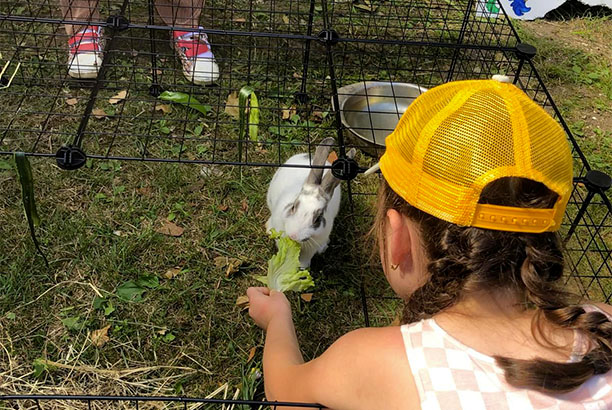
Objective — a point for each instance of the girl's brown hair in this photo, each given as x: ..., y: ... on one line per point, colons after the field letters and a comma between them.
x: 463, y: 259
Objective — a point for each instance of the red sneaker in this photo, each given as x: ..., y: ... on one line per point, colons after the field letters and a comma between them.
x: 86, y: 52
x: 198, y: 61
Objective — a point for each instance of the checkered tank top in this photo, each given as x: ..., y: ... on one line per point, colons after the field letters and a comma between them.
x: 452, y: 376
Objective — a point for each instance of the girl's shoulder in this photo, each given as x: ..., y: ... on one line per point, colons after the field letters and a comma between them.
x: 371, y: 345
x: 379, y: 357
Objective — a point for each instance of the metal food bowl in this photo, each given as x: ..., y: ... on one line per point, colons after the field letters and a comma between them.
x: 370, y: 110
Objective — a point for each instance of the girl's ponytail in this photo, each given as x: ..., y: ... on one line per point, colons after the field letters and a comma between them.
x: 537, y: 273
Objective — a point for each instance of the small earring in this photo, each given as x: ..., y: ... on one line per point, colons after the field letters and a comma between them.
x: 394, y: 267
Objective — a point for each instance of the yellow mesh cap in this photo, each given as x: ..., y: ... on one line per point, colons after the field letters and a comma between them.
x: 456, y: 138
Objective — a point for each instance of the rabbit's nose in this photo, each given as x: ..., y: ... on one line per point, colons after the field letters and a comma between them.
x: 293, y: 236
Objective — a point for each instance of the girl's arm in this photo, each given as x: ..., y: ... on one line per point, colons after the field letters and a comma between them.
x: 348, y: 375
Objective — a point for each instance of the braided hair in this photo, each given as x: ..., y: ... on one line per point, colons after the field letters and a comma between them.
x: 463, y: 259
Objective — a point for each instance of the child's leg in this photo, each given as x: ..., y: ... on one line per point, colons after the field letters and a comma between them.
x: 85, y: 41
x: 192, y: 46
x: 181, y: 13
x: 80, y: 10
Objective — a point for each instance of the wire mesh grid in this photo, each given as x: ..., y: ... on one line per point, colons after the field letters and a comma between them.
x: 40, y: 402
x: 315, y: 66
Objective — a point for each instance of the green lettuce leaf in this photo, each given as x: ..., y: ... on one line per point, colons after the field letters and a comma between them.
x: 284, y: 272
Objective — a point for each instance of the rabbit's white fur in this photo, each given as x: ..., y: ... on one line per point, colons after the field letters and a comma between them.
x: 288, y: 184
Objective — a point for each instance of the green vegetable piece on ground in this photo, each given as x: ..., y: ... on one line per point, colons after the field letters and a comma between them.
x: 24, y: 173
x: 185, y: 99
x: 284, y: 272
x: 247, y: 95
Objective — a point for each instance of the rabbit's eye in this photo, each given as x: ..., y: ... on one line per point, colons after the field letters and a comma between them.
x: 293, y: 208
x: 318, y: 221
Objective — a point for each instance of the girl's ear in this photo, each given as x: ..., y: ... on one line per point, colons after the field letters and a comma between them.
x: 399, y: 242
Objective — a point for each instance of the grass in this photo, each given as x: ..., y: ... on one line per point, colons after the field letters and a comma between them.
x: 99, y: 233
x: 574, y: 58
x: 186, y: 335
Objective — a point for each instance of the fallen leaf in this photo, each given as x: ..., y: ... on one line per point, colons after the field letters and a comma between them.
x: 121, y: 95
x: 231, y: 105
x: 100, y: 337
x: 251, y: 354
x: 242, y: 302
x: 285, y: 19
x: 71, y: 101
x: 211, y: 171
x: 366, y: 7
x: 244, y: 205
x: 318, y: 115
x: 170, y: 229
x: 306, y: 297
x: 239, y: 20
x: 172, y: 272
x: 117, y: 233
x: 232, y: 267
x: 223, y: 207
x: 221, y: 261
x: 289, y: 112
x: 332, y: 157
x: 232, y: 264
x: 99, y: 113
x: 145, y: 190
x: 196, y: 186
x: 165, y: 108
x: 296, y: 75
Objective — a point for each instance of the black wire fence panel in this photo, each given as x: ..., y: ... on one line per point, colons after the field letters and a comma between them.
x: 295, y: 54
x: 43, y: 402
x: 315, y: 66
x: 433, y: 21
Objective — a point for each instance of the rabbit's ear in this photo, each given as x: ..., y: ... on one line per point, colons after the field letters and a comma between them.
x: 330, y: 182
x: 320, y: 156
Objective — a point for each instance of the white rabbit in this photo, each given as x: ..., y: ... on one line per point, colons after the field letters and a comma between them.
x: 303, y: 202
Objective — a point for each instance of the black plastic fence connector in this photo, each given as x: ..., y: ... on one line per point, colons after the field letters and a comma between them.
x: 70, y: 157
x: 329, y: 36
x: 525, y: 52
x: 118, y: 22
x: 596, y: 182
x: 345, y: 168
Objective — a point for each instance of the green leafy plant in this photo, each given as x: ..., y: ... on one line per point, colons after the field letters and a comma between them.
x: 104, y: 305
x: 177, y: 209
x: 133, y: 290
x: 40, y: 366
x: 250, y: 383
x: 73, y: 323
x: 284, y: 272
x: 185, y: 99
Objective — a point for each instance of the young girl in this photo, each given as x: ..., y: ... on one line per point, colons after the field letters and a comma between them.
x: 476, y: 181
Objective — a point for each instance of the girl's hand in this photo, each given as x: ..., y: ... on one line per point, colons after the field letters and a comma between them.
x: 266, y: 304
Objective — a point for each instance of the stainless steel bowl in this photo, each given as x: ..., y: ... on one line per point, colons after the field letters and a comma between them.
x: 370, y: 110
